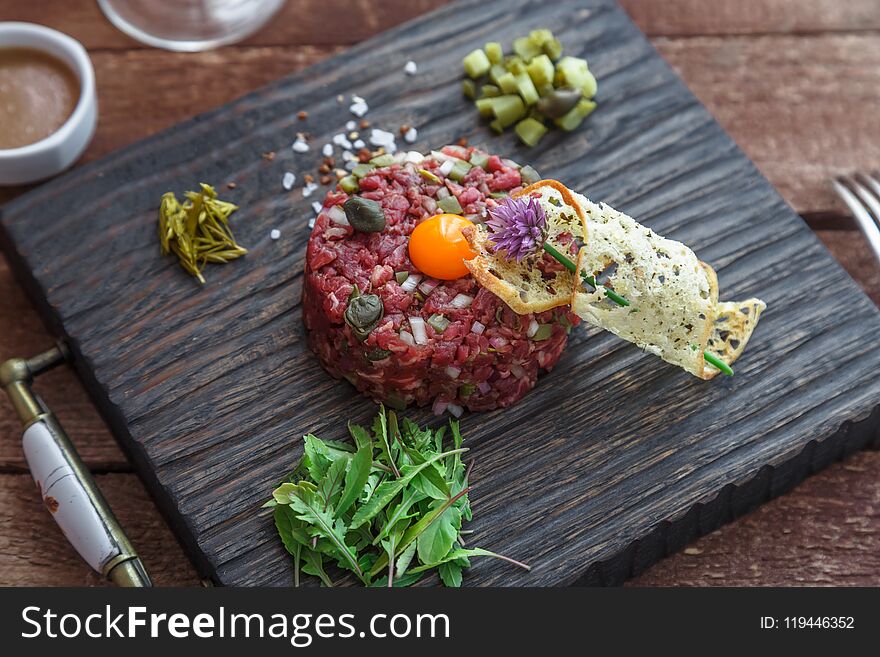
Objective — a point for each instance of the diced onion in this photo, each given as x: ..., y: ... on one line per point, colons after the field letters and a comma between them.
x: 420, y: 335
x: 533, y: 328
x: 427, y: 286
x: 447, y: 167
x: 455, y: 409
x: 442, y: 193
x: 439, y: 407
x: 478, y: 328
x: 462, y: 301
x: 414, y: 156
x: 407, y: 337
x: 337, y: 215
x: 517, y: 370
x: 484, y: 387
x: 453, y: 371
x: 409, y: 285
x: 498, y: 342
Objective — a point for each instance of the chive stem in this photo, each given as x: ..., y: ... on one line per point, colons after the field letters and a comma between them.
x: 620, y: 301
x: 717, y: 362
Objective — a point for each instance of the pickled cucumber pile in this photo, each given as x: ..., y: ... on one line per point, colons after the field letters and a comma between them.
x: 531, y: 89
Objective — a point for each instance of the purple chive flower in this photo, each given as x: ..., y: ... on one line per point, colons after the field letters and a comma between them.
x: 518, y: 226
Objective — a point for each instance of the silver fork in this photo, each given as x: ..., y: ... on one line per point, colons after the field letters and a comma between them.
x: 861, y: 193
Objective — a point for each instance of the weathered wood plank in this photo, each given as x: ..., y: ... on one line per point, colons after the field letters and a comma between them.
x: 303, y: 22
x: 306, y: 21
x: 826, y: 533
x: 725, y: 17
x: 801, y: 124
x: 34, y: 552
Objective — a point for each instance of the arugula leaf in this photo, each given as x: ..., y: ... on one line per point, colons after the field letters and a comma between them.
x: 380, y: 431
x: 413, y: 532
x: 390, y: 503
x: 450, y: 573
x: 437, y: 539
x: 388, y: 489
x: 331, y: 484
x: 405, y: 559
x: 315, y: 566
x: 356, y: 477
x: 307, y: 505
x: 410, y: 497
x: 460, y: 553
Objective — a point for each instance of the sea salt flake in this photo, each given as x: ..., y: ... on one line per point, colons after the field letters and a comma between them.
x: 359, y: 108
x: 317, y: 207
x: 410, y: 68
x: 411, y: 135
x: 381, y: 137
x: 308, y: 189
x: 341, y: 140
x: 275, y: 234
x: 288, y: 180
x: 327, y: 150
x: 359, y: 144
x: 350, y: 125
x: 312, y: 222
x: 300, y: 146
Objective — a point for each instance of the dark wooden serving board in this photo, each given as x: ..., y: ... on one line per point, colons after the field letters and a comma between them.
x: 615, y: 458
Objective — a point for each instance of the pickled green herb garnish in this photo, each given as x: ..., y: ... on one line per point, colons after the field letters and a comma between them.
x: 197, y: 231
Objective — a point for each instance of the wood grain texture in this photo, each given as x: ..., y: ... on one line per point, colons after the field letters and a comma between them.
x: 793, y: 540
x: 33, y: 552
x: 129, y: 120
x: 801, y: 124
x: 134, y: 341
x: 726, y: 17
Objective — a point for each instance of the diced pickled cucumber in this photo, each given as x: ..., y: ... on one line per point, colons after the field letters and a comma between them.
x: 553, y: 49
x: 508, y: 109
x: 468, y: 88
x: 494, y: 52
x: 530, y: 131
x: 449, y: 204
x: 541, y: 71
x: 490, y: 91
x: 540, y: 36
x: 484, y: 105
x: 508, y: 84
x: 526, y: 49
x: 349, y: 184
x: 479, y: 159
x: 459, y: 170
x: 574, y: 118
x: 526, y: 89
x: 572, y: 72
x: 495, y: 72
x: 476, y: 63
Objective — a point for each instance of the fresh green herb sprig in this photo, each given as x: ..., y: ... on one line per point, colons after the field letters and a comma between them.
x: 197, y: 231
x: 388, y: 508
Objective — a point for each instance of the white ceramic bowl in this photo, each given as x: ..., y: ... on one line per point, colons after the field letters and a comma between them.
x: 59, y: 150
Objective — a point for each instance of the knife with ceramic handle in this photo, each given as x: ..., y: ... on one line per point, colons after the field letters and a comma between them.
x: 68, y: 490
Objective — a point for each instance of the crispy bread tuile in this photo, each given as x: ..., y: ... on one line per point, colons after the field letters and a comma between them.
x: 674, y: 312
x: 522, y: 285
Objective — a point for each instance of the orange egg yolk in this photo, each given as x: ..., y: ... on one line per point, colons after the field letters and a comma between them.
x: 437, y: 247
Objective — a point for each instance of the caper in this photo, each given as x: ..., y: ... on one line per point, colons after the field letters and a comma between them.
x: 559, y: 103
x: 364, y: 215
x: 363, y: 313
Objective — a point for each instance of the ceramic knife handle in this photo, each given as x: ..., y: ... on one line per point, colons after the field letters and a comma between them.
x: 66, y: 498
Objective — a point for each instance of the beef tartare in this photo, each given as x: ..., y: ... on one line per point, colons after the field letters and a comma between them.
x: 448, y: 343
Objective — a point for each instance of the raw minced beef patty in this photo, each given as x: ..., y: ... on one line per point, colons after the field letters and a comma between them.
x: 484, y: 358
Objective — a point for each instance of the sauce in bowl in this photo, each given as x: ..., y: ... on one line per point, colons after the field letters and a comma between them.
x: 38, y: 93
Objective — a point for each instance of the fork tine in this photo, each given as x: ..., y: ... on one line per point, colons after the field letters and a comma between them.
x: 871, y: 183
x: 866, y: 222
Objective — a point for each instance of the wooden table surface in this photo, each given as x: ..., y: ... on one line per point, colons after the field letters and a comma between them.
x: 795, y: 82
